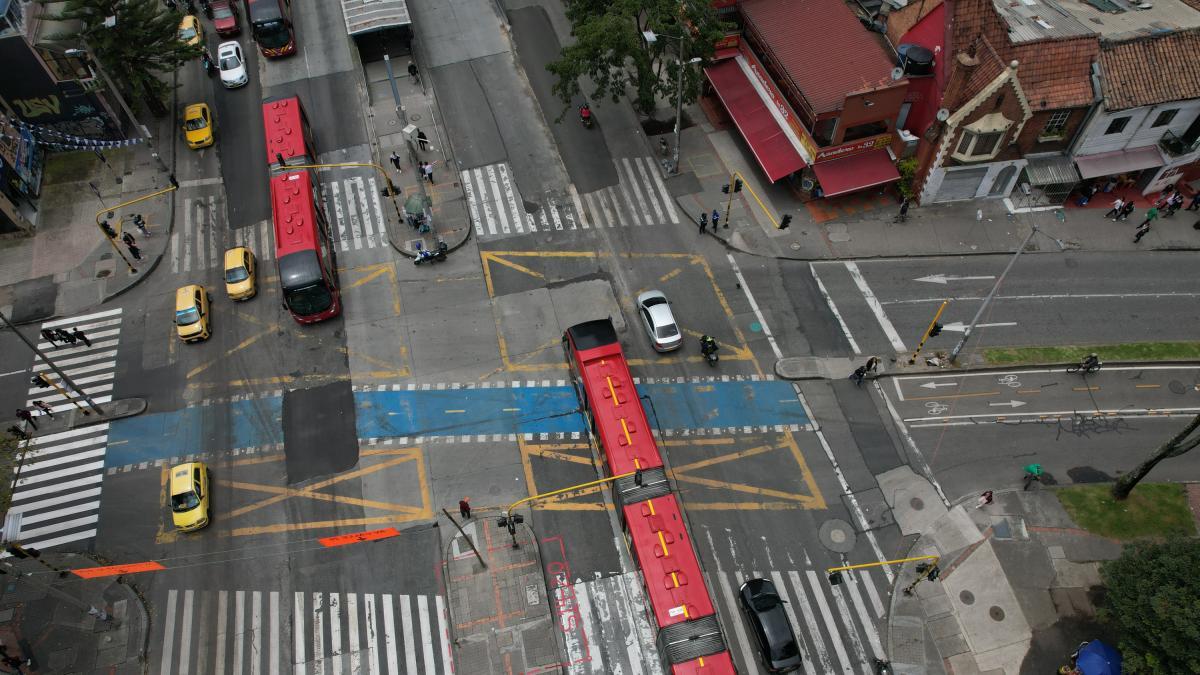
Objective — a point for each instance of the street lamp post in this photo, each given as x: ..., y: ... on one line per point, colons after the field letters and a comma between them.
x: 651, y: 37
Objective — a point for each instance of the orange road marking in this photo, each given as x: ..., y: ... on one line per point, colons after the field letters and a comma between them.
x: 116, y: 570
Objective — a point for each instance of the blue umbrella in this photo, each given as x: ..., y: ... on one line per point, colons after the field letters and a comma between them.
x: 1097, y: 658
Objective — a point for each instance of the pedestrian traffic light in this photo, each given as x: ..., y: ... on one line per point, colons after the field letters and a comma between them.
x: 787, y: 220
x: 935, y: 330
x: 725, y: 188
x: 40, y: 380
x: 737, y: 185
x: 835, y: 578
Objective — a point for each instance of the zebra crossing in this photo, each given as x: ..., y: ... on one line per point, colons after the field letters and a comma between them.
x: 200, y: 237
x: 836, y: 626
x: 640, y: 198
x: 241, y: 631
x: 56, y: 494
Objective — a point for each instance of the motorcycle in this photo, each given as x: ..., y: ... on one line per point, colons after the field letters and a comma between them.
x: 426, y: 255
x: 586, y: 117
x: 708, y: 348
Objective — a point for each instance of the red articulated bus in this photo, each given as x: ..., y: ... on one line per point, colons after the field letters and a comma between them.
x: 271, y: 26
x: 689, y: 635
x: 304, y: 254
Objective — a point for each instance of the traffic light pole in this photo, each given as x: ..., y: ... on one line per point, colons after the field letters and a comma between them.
x: 79, y: 392
x: 988, y: 300
x: 934, y: 329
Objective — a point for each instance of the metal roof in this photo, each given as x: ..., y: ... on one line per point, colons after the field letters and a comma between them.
x: 364, y: 16
x: 1051, y: 170
x: 1039, y: 19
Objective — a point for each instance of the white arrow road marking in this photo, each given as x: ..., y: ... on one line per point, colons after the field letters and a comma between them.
x: 1010, y: 404
x: 943, y: 278
x: 935, y: 385
x: 960, y: 327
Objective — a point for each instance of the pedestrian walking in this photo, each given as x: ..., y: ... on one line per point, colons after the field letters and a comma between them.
x: 703, y: 222
x: 395, y: 159
x: 429, y: 171
x: 1126, y: 211
x: 135, y: 252
x: 664, y: 149
x: 1115, y: 211
x: 1033, y: 472
x: 1173, y: 204
x: 1150, y: 216
x: 50, y: 336
x: 464, y: 508
x: 140, y: 223
x: 26, y: 416
x: 422, y: 140
x: 128, y: 239
x: 903, y: 215
x: 1141, y: 232
x: 1194, y: 205
x: 79, y: 335
x: 984, y: 499
x: 47, y: 410
x: 64, y: 336
x: 859, y: 374
x: 872, y: 365
x: 412, y: 72
x: 716, y: 218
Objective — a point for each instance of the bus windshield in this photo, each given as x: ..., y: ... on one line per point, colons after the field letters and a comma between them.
x: 272, y: 34
x: 309, y: 300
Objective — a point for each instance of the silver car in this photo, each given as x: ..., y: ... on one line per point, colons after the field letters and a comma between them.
x: 659, y: 322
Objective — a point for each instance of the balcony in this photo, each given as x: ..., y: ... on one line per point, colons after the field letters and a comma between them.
x: 1177, y: 146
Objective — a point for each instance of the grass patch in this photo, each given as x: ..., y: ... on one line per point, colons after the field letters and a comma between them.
x: 1153, y: 510
x: 70, y: 167
x: 1134, y: 351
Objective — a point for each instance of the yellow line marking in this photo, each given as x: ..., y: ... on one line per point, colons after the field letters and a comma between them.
x: 1029, y: 391
x: 510, y: 409
x: 456, y: 411
x: 670, y: 275
x: 551, y: 454
x: 939, y: 398
x: 373, y: 273
x: 1147, y: 386
x: 282, y: 493
x: 1085, y: 388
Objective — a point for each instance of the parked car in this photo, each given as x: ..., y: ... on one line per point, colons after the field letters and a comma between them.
x: 240, y: 274
x: 191, y: 31
x: 232, y: 64
x: 769, y: 622
x: 198, y: 126
x: 189, y: 496
x: 225, y: 17
x: 659, y: 322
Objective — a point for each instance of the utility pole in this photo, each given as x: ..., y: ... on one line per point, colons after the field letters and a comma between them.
x: 986, y: 301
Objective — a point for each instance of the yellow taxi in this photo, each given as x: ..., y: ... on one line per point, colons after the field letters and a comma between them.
x: 198, y: 126
x: 240, y: 274
x: 191, y: 31
x: 189, y: 496
x: 192, y: 313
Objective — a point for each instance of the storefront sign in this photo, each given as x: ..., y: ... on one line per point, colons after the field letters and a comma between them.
x: 854, y: 148
x: 760, y: 74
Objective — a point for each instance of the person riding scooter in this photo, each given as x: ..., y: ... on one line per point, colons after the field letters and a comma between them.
x: 708, y: 345
x: 585, y: 115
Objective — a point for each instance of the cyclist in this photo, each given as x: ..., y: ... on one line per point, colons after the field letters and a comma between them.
x: 1090, y: 362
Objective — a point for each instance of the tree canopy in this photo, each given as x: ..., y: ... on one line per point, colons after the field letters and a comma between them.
x: 1153, y: 598
x: 611, y: 51
x: 139, y: 47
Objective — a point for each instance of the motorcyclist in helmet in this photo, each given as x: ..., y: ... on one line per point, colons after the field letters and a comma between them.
x: 707, y: 345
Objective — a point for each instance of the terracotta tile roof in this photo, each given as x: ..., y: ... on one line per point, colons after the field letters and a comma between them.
x: 822, y: 46
x: 1151, y: 70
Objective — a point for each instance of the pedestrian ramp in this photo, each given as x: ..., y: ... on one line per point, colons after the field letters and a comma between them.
x: 298, y: 633
x: 56, y: 494
x: 607, y: 629
x: 498, y: 210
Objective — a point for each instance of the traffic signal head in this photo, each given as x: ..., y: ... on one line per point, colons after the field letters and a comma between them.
x: 737, y: 185
x: 18, y: 551
x: 725, y: 188
x: 835, y: 578
x: 936, y: 330
x: 787, y: 220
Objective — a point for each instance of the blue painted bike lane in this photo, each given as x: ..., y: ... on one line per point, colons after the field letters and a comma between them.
x: 680, y: 407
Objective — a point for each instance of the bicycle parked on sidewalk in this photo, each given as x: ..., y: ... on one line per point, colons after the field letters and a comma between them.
x: 1088, y: 364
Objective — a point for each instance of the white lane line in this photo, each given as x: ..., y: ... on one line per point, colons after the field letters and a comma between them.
x: 839, y: 649
x: 593, y: 210
x: 512, y: 197
x: 239, y: 631
x: 608, y: 213
x: 61, y: 526
x: 668, y: 203
x: 352, y: 211
x: 169, y: 634
x: 646, y: 183
x: 58, y: 513
x: 499, y: 199
x: 578, y: 206
x: 389, y: 635
x: 255, y: 632
x: 833, y: 308
x: 625, y: 200
x: 472, y: 205
x: 274, y: 662
x: 335, y: 633
x: 60, y: 473
x: 848, y: 620
x: 731, y: 607
x: 375, y: 201
x: 318, y: 620
x: 335, y: 197
x: 187, y: 237
x: 485, y: 201
x: 352, y: 622
x: 297, y: 633
x: 222, y: 631
x: 65, y: 539
x: 1047, y: 296
x: 873, y: 302
x: 912, y: 445
x: 444, y: 633
x: 777, y: 578
x: 1110, y: 413
x: 410, y: 650
x: 810, y: 622
x: 864, y: 617
x: 636, y: 187
x: 426, y: 636
x: 368, y: 227
x: 81, y: 319
x: 372, y: 633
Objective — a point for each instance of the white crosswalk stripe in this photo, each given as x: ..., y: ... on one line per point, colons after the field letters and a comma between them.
x: 56, y: 494
x: 497, y: 209
x: 355, y: 210
x: 245, y: 633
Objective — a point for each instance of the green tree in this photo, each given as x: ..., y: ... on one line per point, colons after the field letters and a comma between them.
x: 136, y: 50
x: 1153, y: 599
x: 611, y: 50
x: 1173, y: 447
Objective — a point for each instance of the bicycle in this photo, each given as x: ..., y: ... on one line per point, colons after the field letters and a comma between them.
x: 1088, y: 365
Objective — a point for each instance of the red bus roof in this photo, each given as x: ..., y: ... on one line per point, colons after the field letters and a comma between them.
x: 293, y: 212
x: 620, y: 420
x: 720, y: 663
x: 283, y: 123
x: 660, y: 541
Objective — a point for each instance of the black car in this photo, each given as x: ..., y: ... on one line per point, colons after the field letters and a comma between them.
x: 776, y: 640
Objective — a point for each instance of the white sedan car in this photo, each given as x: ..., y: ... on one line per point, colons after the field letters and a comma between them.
x: 232, y: 65
x: 658, y: 321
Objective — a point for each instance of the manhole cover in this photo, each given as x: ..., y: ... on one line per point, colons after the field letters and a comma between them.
x: 837, y: 535
x: 996, y: 613
x: 1177, y: 387
x: 916, y: 503
x: 103, y: 273
x: 966, y: 598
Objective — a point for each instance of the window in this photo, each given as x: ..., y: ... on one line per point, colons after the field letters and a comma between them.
x: 1117, y: 126
x: 983, y: 138
x: 985, y: 144
x: 1164, y: 118
x: 1055, y: 125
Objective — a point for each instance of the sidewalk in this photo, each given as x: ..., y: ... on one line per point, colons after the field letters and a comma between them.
x: 1017, y: 585
x: 860, y: 225
x: 57, y: 632
x: 500, y: 618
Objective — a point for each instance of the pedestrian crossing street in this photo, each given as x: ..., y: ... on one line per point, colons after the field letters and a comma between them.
x: 56, y: 496
x: 269, y: 632
x: 640, y: 198
x: 200, y: 237
x: 836, y: 626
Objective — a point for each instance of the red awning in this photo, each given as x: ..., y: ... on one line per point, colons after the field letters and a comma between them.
x: 855, y: 173
x: 763, y: 134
